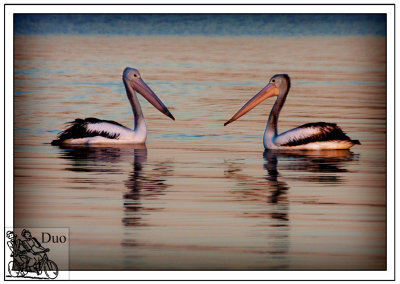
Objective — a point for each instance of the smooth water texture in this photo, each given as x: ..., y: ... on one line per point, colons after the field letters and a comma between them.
x: 201, y: 196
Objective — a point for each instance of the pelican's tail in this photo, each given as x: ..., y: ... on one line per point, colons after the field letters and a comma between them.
x: 56, y: 142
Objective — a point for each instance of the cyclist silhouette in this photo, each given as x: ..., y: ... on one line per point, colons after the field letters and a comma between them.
x: 33, y: 250
x: 17, y: 251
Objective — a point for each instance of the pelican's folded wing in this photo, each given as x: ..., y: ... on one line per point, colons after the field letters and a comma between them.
x: 311, y: 132
x: 91, y: 127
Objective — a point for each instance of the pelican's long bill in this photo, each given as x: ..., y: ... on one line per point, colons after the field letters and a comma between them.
x: 141, y: 87
x: 268, y: 91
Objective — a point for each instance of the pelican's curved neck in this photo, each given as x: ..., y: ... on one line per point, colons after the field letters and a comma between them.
x: 271, y: 130
x: 140, y: 124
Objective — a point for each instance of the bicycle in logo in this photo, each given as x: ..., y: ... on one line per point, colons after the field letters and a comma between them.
x: 20, y: 269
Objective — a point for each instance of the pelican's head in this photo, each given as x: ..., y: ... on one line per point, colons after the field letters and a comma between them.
x: 133, y: 82
x: 279, y: 84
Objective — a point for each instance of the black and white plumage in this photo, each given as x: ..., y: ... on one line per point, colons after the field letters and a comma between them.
x: 95, y: 131
x: 313, y: 132
x: 91, y: 127
x: 310, y: 136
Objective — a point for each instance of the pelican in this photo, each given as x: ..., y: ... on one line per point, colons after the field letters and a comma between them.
x: 95, y: 131
x: 310, y: 136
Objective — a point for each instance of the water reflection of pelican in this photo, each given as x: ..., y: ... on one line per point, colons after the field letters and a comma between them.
x: 325, y: 166
x: 269, y: 206
x: 313, y: 166
x: 269, y: 196
x: 278, y: 195
x: 143, y: 185
x: 96, y: 159
x: 316, y: 166
x: 144, y: 181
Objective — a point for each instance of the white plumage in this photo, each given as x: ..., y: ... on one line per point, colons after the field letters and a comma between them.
x: 296, y: 134
x: 112, y: 129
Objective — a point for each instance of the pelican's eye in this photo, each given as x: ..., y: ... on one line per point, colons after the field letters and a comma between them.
x: 273, y: 81
x: 134, y: 75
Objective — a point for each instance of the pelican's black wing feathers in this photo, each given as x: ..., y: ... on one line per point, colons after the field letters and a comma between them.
x: 313, y: 132
x: 79, y: 129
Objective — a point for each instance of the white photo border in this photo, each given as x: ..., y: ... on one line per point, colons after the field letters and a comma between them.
x: 388, y: 9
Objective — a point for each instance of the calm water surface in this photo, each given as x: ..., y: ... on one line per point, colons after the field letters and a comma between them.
x: 201, y: 196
